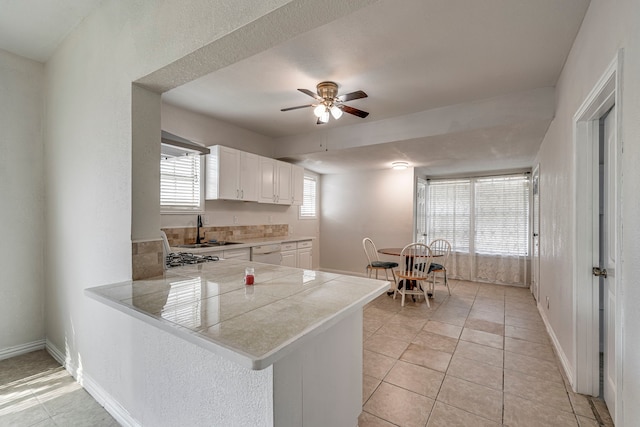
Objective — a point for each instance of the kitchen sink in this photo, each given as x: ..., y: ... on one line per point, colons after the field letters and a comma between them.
x: 208, y: 245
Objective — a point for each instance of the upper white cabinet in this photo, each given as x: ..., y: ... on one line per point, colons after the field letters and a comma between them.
x: 275, y: 182
x: 231, y: 174
x: 297, y: 185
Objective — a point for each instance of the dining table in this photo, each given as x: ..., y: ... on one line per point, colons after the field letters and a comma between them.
x: 398, y: 252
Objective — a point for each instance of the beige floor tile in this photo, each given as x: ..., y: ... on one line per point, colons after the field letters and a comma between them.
x: 528, y: 348
x: 91, y: 415
x: 435, y: 341
x: 485, y: 326
x: 519, y: 412
x: 474, y: 398
x: 399, y: 331
x: 444, y: 415
x: 522, y: 314
x: 536, y: 324
x: 480, y: 353
x: 376, y: 365
x: 482, y: 338
x: 547, y: 393
x: 368, y: 420
x: 580, y: 404
x: 450, y: 318
x: 460, y: 300
x: 587, y: 422
x: 427, y: 357
x: 485, y: 314
x: 524, y: 306
x: 445, y: 329
x: 538, y: 368
x: 22, y: 413
x: 531, y: 335
x: 603, y: 413
x: 415, y: 378
x: 476, y: 372
x: 386, y: 345
x: 369, y: 385
x: 399, y: 406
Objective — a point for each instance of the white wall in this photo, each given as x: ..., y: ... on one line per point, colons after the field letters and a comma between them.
x: 22, y: 200
x: 88, y: 163
x: 376, y: 204
x: 607, y: 27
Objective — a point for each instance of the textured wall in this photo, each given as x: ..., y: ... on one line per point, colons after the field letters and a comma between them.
x: 22, y: 201
x: 376, y: 204
x: 606, y: 28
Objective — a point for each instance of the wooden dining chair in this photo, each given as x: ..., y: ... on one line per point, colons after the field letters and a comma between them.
x: 441, y: 250
x: 374, y: 263
x: 412, y: 274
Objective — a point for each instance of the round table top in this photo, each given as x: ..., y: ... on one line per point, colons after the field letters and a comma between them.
x: 397, y: 252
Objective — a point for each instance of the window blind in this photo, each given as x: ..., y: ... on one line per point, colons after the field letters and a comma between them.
x: 449, y: 212
x: 502, y: 215
x: 180, y: 186
x: 308, y: 208
x: 481, y: 215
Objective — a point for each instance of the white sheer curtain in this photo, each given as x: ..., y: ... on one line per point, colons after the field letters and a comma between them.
x: 486, y: 220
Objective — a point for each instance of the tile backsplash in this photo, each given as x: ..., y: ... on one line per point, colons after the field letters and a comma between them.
x: 187, y: 235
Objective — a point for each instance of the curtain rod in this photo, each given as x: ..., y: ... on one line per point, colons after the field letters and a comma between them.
x: 480, y: 176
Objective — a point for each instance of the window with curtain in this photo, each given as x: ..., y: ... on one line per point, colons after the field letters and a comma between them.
x: 180, y: 182
x: 308, y: 208
x: 486, y: 220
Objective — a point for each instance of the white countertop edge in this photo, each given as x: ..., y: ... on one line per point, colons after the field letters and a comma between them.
x: 241, y: 358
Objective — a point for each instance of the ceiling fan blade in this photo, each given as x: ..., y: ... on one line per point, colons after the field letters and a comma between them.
x: 353, y: 95
x: 311, y: 94
x: 353, y: 111
x: 295, y: 108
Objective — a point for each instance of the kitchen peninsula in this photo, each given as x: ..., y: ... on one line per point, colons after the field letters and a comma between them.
x: 295, y: 335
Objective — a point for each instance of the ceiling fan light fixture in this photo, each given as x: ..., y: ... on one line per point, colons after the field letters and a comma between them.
x: 399, y: 165
x: 324, y: 118
x: 336, y: 112
x: 319, y: 110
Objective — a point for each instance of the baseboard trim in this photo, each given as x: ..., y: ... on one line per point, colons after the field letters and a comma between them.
x: 564, y: 361
x: 18, y: 350
x: 104, y: 399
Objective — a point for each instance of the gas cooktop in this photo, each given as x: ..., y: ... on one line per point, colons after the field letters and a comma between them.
x: 177, y: 259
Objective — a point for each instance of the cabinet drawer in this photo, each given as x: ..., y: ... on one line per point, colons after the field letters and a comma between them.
x: 305, y: 244
x: 291, y: 246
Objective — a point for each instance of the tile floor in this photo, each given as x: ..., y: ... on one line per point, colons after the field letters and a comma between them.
x: 480, y: 357
x: 36, y: 391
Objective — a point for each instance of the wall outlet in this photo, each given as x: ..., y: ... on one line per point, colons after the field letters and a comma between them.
x: 206, y: 220
x: 270, y: 219
x: 235, y: 219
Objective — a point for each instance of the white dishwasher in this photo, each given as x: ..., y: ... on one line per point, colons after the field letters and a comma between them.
x: 267, y: 254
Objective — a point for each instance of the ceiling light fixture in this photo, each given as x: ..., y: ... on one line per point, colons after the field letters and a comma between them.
x: 336, y: 112
x: 399, y: 166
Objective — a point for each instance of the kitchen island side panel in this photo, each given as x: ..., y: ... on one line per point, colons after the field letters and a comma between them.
x: 320, y: 384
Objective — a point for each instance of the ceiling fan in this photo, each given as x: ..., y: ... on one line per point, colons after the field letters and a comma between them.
x: 330, y: 103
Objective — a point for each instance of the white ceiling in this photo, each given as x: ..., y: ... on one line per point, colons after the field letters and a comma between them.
x: 413, y: 59
x: 35, y: 28
x: 421, y: 56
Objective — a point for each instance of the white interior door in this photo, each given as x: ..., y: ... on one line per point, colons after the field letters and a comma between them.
x: 535, y: 237
x: 421, y: 212
x: 608, y: 255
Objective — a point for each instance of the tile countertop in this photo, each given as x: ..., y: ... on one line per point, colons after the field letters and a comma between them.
x: 254, y: 326
x: 243, y: 243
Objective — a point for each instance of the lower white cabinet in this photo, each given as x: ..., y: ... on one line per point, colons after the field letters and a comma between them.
x: 242, y: 254
x: 304, y: 252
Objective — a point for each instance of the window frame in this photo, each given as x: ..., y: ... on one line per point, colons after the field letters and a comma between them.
x: 314, y: 179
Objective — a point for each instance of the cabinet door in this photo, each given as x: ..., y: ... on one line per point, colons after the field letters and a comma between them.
x: 267, y: 180
x: 297, y: 184
x: 249, y: 177
x: 305, y: 259
x: 228, y: 174
x: 283, y: 192
x: 289, y: 258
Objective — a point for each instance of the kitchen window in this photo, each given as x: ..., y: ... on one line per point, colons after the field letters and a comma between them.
x: 309, y: 198
x: 180, y: 181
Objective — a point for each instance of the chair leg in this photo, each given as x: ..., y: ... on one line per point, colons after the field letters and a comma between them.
x: 446, y: 281
x: 426, y: 297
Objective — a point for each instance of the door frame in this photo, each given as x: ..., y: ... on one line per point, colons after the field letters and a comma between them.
x: 535, y: 218
x: 606, y: 93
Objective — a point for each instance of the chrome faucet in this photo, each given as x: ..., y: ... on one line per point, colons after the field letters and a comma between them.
x: 198, y: 225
